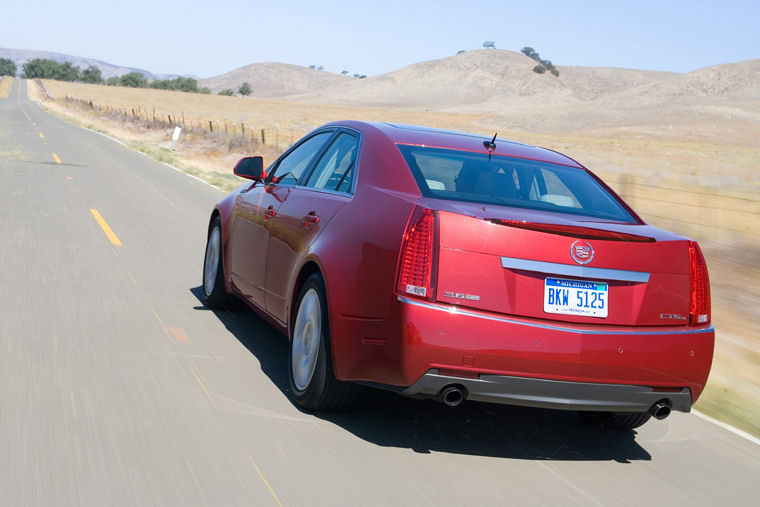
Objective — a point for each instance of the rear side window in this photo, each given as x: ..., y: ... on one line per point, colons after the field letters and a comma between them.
x: 335, y: 169
x: 474, y: 177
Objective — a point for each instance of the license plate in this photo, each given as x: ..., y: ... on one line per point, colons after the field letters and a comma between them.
x: 575, y: 297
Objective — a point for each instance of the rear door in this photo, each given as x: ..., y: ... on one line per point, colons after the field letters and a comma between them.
x: 304, y: 215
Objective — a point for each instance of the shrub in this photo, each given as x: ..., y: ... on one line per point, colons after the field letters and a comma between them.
x: 227, y: 92
x: 539, y: 69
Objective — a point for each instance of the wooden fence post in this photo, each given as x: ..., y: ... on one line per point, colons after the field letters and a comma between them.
x: 263, y: 138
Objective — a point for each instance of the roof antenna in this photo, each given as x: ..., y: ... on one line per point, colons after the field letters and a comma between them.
x: 490, y: 146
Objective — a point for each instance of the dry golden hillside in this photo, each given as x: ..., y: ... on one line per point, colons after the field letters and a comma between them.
x: 275, y: 79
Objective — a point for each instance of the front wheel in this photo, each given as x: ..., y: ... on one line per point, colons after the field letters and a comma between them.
x: 214, y: 295
x: 313, y: 385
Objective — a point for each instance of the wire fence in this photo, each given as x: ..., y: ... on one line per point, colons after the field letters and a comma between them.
x: 239, y: 133
x: 706, y: 214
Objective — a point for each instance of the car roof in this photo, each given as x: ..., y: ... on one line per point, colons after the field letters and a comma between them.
x: 397, y: 133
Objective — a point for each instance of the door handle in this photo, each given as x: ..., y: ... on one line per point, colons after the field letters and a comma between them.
x: 269, y: 213
x: 310, y: 220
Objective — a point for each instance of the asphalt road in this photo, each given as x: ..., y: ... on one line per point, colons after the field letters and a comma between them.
x: 118, y: 388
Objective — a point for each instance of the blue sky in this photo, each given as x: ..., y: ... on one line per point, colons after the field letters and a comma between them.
x: 213, y: 37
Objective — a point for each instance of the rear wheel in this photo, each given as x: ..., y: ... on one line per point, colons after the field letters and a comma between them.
x: 620, y: 421
x: 214, y: 295
x: 313, y: 385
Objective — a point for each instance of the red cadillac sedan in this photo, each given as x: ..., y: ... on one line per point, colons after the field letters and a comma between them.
x: 460, y: 267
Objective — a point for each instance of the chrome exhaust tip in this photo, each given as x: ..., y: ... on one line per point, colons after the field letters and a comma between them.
x: 660, y: 410
x: 452, y: 395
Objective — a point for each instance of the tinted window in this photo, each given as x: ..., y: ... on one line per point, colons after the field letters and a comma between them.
x: 336, y: 167
x: 474, y: 177
x: 291, y: 167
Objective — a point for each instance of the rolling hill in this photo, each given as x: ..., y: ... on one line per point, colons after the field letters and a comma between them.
x: 275, y: 79
x: 21, y: 56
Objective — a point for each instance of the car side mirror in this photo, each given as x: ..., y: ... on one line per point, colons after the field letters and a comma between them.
x: 250, y: 168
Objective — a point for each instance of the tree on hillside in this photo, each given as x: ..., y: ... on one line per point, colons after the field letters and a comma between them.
x: 7, y: 67
x: 245, y: 89
x: 113, y: 81
x: 42, y: 68
x: 529, y: 52
x: 134, y: 80
x: 344, y: 72
x: 489, y: 44
x: 92, y: 75
x: 66, y: 72
x: 178, y: 84
x: 543, y: 65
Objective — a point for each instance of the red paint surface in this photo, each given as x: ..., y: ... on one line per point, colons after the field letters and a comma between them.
x: 375, y: 337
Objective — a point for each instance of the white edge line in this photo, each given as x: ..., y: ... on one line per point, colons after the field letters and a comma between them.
x: 192, y: 176
x: 106, y: 136
x: 725, y: 426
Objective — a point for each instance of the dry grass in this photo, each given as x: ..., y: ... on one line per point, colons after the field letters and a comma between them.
x: 5, y: 86
x: 699, y: 181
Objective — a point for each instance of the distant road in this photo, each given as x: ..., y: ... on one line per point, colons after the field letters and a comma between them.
x: 118, y: 388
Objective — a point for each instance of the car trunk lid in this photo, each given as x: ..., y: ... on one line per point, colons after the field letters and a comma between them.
x: 557, y: 267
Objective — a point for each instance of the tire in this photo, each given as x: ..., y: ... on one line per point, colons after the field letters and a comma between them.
x: 619, y: 421
x: 214, y: 295
x: 313, y: 385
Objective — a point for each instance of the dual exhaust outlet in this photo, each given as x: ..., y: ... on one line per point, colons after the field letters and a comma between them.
x: 452, y: 395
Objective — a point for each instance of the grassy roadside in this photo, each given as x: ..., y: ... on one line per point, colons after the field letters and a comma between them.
x: 704, y: 189
x: 5, y: 86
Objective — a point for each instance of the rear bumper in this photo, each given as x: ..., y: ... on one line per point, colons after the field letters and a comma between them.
x: 549, y: 364
x: 554, y: 394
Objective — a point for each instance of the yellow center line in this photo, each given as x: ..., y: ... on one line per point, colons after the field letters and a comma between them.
x: 104, y: 225
x: 42, y: 136
x: 208, y: 395
x: 57, y: 160
x: 264, y: 479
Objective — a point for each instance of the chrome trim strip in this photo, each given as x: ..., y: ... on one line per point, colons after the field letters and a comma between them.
x: 459, y: 311
x: 554, y: 268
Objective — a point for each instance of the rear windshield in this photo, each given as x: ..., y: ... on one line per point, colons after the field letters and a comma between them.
x: 474, y: 177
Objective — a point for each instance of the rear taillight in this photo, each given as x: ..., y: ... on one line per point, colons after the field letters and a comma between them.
x: 699, y: 307
x: 416, y: 261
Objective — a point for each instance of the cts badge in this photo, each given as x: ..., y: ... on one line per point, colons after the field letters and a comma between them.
x: 581, y: 252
